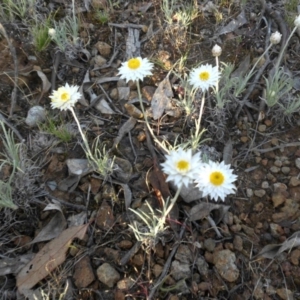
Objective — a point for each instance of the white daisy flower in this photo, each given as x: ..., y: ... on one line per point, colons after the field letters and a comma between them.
x: 204, y: 77
x: 216, y: 180
x: 135, y: 69
x: 297, y: 21
x: 65, y: 97
x: 181, y: 166
x: 275, y: 38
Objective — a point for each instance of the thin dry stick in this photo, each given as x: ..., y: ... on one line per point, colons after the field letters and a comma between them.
x: 14, y: 56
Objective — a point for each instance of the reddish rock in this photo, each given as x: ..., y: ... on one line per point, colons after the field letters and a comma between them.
x: 83, y: 273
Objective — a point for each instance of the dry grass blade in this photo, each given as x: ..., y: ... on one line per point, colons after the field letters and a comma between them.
x: 48, y: 258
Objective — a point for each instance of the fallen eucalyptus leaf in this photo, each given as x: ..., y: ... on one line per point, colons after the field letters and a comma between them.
x: 161, y: 99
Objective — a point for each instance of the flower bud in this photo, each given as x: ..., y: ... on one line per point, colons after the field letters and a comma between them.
x: 216, y: 50
x: 297, y: 21
x: 51, y: 32
x: 275, y: 38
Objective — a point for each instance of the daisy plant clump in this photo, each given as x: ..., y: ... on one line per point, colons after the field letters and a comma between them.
x: 65, y: 98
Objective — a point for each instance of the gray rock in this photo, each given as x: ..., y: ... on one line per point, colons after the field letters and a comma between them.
x: 297, y: 162
x: 108, y: 275
x: 224, y: 262
x: 35, y: 115
x: 180, y: 270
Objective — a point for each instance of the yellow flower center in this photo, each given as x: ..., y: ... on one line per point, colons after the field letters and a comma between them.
x: 204, y: 76
x: 65, y: 96
x: 216, y: 178
x: 183, y: 166
x: 134, y: 63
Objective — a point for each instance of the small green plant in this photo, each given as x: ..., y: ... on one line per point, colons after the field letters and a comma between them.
x: 102, y: 16
x: 11, y: 156
x: 277, y: 86
x: 65, y: 32
x: 152, y: 226
x: 22, y: 9
x: 40, y: 36
x: 100, y: 159
x: 56, y: 128
x: 290, y: 105
x: 183, y: 15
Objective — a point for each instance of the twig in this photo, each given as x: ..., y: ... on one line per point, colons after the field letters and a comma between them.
x: 136, y: 26
x: 14, y: 56
x: 295, y: 144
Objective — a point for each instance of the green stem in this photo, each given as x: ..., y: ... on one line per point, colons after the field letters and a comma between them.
x: 254, y: 66
x: 86, y: 144
x: 173, y: 200
x: 285, y: 46
x: 146, y: 120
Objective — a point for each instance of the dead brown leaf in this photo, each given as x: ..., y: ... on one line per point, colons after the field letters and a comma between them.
x: 48, y: 258
x: 273, y: 250
x: 161, y: 98
x: 203, y: 209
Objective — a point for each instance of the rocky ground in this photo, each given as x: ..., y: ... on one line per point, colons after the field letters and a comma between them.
x: 81, y: 245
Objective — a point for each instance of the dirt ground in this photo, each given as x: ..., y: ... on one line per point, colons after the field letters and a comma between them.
x: 244, y: 248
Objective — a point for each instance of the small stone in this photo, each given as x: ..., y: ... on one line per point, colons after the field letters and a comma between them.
x: 103, y: 48
x: 268, y: 122
x: 108, y: 275
x: 249, y: 192
x: 35, y: 115
x: 157, y: 269
x: 276, y: 230
x: 138, y: 260
x: 123, y: 93
x: 202, y: 266
x: 278, y: 163
x: 294, y: 181
x: 238, y: 243
x: 105, y: 218
x: 126, y: 283
x: 99, y: 60
x: 224, y: 262
x: 209, y: 244
x: 262, y: 128
x: 295, y: 256
x: 125, y: 244
x: 274, y: 169
x: 278, y: 199
x: 274, y: 141
x: 279, y: 187
x: 286, y: 170
x: 184, y: 254
x: 265, y: 184
x: 114, y: 94
x: 83, y: 273
x: 180, y: 270
x: 259, y: 193
x: 244, y: 139
x: 258, y: 207
x: 297, y: 162
x: 119, y: 295
x: 204, y: 286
